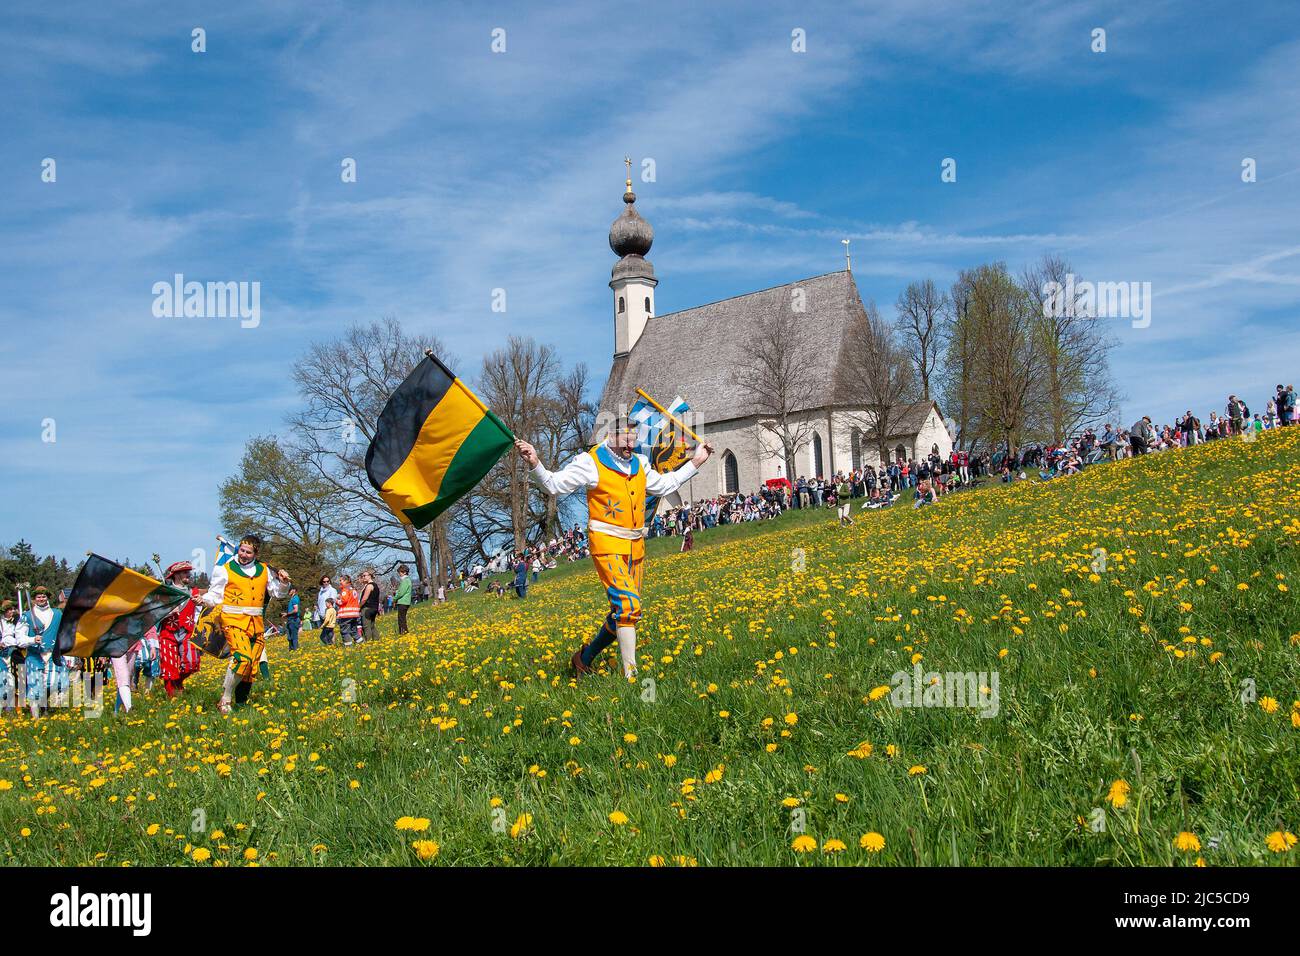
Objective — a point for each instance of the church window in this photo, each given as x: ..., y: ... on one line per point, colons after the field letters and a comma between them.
x: 901, y: 453
x: 817, y: 455
x: 730, y: 473
x: 647, y: 305
x: 856, y: 442
x: 621, y: 305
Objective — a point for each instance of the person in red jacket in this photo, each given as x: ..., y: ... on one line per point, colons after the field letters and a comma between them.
x: 349, y: 612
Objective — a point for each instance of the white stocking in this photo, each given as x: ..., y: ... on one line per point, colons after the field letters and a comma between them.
x: 122, y: 677
x: 228, y: 689
x: 627, y: 648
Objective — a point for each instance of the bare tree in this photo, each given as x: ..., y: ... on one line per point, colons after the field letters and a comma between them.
x: 569, y: 430
x: 921, y: 307
x: 346, y: 384
x: 778, y: 378
x: 1076, y: 387
x: 284, y: 502
x: 957, y: 373
x: 876, y: 367
x: 1008, y: 358
x: 519, y: 383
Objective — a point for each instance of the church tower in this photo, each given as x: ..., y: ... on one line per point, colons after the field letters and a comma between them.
x: 633, y: 277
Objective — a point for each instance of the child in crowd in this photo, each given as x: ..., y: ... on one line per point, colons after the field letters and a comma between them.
x: 327, y: 624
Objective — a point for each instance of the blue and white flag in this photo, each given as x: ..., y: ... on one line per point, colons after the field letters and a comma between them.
x: 650, y: 423
x: 659, y: 440
x: 225, y: 551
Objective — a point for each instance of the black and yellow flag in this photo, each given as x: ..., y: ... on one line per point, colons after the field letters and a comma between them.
x: 434, y: 441
x: 111, y: 607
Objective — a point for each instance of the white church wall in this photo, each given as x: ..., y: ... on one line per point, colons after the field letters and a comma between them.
x: 933, y: 432
x: 741, y: 439
x: 845, y: 421
x: 759, y: 458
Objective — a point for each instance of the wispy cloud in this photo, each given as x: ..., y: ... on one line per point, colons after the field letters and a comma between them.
x: 480, y: 171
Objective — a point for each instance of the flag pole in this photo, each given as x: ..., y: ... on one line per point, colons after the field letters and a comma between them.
x: 669, y: 415
x: 428, y: 353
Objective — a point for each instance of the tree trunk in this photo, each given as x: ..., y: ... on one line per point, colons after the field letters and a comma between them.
x: 417, y: 551
x: 446, y: 559
x: 435, y: 570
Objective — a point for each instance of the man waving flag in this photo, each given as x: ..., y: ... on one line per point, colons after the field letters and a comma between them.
x: 433, y: 442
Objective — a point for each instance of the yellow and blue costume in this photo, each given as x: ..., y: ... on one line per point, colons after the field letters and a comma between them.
x: 617, y: 489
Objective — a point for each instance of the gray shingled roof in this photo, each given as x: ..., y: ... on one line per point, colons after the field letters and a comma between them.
x: 908, y: 421
x: 694, y: 353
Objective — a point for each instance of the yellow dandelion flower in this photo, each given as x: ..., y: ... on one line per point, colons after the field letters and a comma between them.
x: 1280, y: 841
x: 425, y: 849
x: 872, y: 842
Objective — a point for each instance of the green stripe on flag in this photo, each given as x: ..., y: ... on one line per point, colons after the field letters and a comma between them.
x: 480, y: 450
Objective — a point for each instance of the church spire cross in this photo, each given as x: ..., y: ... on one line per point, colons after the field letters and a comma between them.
x: 627, y: 161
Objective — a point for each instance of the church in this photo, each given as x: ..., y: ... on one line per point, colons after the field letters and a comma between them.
x: 694, y: 354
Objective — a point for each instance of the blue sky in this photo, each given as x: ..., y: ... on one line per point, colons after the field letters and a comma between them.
x: 479, y: 170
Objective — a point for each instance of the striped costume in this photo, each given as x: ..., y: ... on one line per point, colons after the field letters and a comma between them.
x: 240, y: 591
x: 616, y: 489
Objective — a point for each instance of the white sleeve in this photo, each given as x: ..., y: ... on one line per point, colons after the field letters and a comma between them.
x: 273, y: 585
x: 216, y: 587
x: 660, y: 485
x: 576, y: 475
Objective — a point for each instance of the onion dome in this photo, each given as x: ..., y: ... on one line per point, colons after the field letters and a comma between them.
x: 630, y: 235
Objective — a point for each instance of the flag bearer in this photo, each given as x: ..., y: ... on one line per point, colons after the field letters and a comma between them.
x: 240, y: 588
x: 178, y: 657
x: 47, y: 674
x: 617, y: 481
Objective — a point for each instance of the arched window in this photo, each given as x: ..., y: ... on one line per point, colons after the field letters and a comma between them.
x: 621, y: 305
x: 647, y: 305
x: 856, y: 443
x: 730, y: 473
x: 817, y: 455
x: 900, y: 453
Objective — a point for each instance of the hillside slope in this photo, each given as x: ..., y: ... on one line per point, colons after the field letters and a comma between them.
x: 1133, y: 626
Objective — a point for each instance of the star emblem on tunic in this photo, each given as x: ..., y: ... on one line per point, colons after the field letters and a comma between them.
x: 613, y: 509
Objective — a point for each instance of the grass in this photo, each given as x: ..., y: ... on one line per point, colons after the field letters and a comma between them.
x: 1137, y: 617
